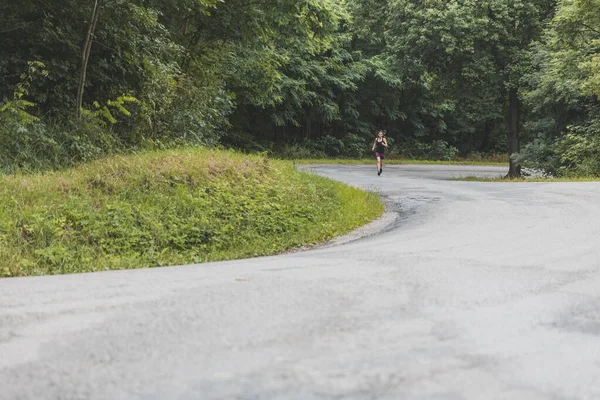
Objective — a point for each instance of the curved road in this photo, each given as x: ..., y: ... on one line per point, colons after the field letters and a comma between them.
x: 476, y: 291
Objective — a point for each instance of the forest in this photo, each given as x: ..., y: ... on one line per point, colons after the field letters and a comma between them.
x: 302, y: 78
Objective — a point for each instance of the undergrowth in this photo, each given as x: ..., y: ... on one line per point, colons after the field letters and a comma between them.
x: 529, y: 179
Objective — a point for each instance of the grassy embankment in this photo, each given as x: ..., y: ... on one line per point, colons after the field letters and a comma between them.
x: 169, y: 208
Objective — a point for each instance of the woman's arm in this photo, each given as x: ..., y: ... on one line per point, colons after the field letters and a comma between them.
x: 384, y: 142
x: 373, y: 149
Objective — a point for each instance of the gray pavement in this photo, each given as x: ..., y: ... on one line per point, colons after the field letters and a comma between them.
x: 474, y: 291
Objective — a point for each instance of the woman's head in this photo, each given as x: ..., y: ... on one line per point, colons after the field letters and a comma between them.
x: 380, y: 133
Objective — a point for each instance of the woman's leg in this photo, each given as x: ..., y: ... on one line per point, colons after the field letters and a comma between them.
x: 378, y: 165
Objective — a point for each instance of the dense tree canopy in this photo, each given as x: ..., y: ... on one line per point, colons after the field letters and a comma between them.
x: 302, y: 77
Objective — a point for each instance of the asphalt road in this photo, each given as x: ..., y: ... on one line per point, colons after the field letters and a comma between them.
x: 475, y: 291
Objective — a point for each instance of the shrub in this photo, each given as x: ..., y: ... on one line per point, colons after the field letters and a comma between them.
x: 579, y: 150
x: 577, y: 153
x: 298, y: 151
x: 541, y: 154
x: 355, y: 146
x: 350, y: 146
x: 329, y: 145
x: 187, y: 113
x: 29, y: 144
x: 438, y: 150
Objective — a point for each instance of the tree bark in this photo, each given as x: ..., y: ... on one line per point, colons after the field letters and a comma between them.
x: 514, y: 111
x: 85, y: 55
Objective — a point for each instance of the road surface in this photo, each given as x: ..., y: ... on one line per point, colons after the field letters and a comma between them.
x: 475, y: 291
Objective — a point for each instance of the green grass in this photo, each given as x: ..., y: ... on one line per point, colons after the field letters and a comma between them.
x: 169, y: 208
x: 391, y: 161
x: 528, y: 179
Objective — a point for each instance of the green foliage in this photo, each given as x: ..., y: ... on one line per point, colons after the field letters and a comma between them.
x: 540, y: 154
x: 298, y: 77
x: 29, y: 144
x: 580, y: 150
x: 298, y: 151
x: 38, y: 146
x: 437, y: 150
x: 459, y: 58
x: 16, y: 110
x: 103, y: 114
x: 562, y: 92
x: 168, y: 208
x: 351, y: 146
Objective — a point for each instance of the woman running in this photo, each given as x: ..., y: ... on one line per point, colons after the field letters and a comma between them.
x: 379, y: 146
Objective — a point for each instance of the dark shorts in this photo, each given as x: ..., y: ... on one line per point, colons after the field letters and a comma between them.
x: 380, y: 155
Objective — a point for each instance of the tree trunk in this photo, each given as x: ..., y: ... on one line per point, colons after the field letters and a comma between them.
x: 514, y: 109
x: 85, y: 55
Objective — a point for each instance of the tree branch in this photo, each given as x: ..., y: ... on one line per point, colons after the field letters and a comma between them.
x: 591, y: 28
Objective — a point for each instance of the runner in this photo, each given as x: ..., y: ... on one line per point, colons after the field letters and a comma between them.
x: 379, y: 146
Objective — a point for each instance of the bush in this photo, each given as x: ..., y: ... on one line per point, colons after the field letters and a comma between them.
x: 577, y: 153
x: 298, y: 151
x: 329, y: 145
x: 542, y: 155
x: 579, y: 150
x: 184, y: 113
x: 438, y: 150
x: 350, y: 146
x: 35, y: 146
x: 183, y: 116
x: 29, y: 144
x: 355, y: 146
x: 39, y: 147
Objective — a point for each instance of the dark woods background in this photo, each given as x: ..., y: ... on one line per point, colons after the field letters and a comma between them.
x: 302, y: 78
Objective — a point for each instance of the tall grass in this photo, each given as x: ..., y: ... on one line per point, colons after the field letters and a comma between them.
x: 168, y: 208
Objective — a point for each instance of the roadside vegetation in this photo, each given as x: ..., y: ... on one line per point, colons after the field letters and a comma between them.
x: 169, y: 208
x: 530, y: 179
x: 302, y: 79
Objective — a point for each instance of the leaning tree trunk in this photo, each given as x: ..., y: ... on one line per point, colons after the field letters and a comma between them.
x: 85, y: 55
x: 514, y: 110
